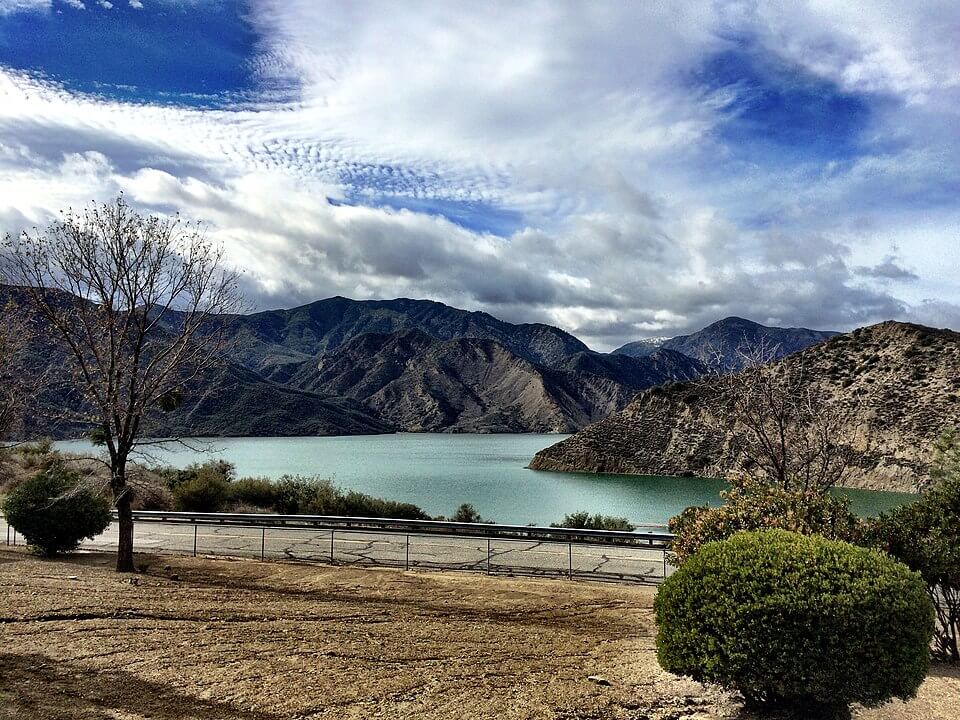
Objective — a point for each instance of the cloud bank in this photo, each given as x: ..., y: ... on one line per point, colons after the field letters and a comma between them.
x: 619, y: 170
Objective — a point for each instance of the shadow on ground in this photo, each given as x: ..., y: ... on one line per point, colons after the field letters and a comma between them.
x: 37, y: 687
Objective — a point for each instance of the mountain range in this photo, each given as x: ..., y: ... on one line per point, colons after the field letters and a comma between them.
x: 726, y: 342
x: 341, y: 366
x: 903, y: 381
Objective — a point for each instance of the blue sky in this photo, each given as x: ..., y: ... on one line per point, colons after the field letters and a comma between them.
x: 618, y: 169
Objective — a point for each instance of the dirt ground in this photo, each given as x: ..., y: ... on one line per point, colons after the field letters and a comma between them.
x: 205, y: 638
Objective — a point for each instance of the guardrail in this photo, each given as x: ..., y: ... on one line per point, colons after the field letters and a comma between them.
x: 391, y: 525
x: 480, y: 547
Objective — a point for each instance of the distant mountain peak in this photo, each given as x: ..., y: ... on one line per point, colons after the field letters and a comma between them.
x: 724, y: 337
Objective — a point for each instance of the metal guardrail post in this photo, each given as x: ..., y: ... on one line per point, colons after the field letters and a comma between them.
x: 393, y: 527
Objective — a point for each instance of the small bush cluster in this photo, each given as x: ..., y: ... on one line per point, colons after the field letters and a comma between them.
x: 752, y: 504
x: 467, y: 513
x: 798, y: 622
x: 586, y: 521
x: 212, y: 487
x: 54, y: 512
x: 925, y: 535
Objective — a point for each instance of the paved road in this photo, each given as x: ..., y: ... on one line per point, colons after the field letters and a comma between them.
x: 520, y: 557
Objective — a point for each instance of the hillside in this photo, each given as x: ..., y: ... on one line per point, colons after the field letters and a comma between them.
x: 723, y: 338
x: 908, y: 377
x: 317, y: 370
x: 642, y: 347
x: 235, y: 402
x: 266, y: 342
x: 226, y: 401
x: 419, y: 383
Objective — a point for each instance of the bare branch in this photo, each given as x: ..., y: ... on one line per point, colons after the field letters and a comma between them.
x: 134, y: 301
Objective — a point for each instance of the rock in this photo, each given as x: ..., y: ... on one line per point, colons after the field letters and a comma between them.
x: 599, y: 680
x: 175, y: 577
x: 904, y: 378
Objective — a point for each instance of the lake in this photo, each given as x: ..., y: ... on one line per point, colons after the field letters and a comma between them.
x: 439, y: 472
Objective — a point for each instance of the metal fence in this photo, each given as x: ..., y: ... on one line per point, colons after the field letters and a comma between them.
x: 489, y: 548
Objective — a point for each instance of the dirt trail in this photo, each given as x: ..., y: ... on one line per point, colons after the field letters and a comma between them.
x: 204, y: 638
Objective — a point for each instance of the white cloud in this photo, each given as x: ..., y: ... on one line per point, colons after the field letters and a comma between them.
x: 75, y: 4
x: 8, y: 7
x: 635, y: 217
x: 105, y: 4
x: 136, y: 4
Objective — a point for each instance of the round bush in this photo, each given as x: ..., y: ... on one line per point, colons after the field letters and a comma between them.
x: 752, y: 504
x: 53, y: 514
x: 798, y: 621
x: 254, y: 492
x: 204, y: 492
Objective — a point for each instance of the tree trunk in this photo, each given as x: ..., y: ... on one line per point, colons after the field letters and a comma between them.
x: 122, y: 499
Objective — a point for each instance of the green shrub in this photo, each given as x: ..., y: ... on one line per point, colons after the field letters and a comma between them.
x: 254, y: 492
x: 755, y: 505
x: 796, y: 621
x: 362, y: 505
x: 38, y: 455
x: 53, y: 513
x: 151, y: 494
x: 586, y: 521
x: 316, y: 496
x: 44, y: 446
x: 296, y: 495
x: 219, y: 469
x: 466, y: 513
x: 925, y: 535
x: 205, y: 492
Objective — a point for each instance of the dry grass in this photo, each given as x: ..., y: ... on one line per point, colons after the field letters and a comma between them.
x: 204, y: 638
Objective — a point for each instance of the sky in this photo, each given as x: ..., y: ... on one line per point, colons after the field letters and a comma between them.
x: 618, y: 169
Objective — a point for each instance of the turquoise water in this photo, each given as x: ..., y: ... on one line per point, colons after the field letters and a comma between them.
x: 438, y: 472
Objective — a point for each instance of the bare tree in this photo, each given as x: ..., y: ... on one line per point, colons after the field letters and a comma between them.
x: 786, y: 426
x: 9, y: 400
x: 133, y: 300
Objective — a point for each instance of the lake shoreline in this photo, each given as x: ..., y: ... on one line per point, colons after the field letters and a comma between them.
x: 440, y: 471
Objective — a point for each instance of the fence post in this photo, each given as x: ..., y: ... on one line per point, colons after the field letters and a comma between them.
x: 8, y: 534
x: 488, y: 556
x: 407, y: 562
x: 263, y: 543
x: 664, y: 564
x: 570, y: 561
x: 331, y: 545
x: 195, y: 540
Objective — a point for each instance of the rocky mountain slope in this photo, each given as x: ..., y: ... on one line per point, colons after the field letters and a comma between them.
x: 273, y: 343
x: 907, y: 378
x: 419, y: 383
x: 642, y: 347
x: 226, y: 401
x: 235, y: 402
x: 722, y: 339
x: 317, y: 370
